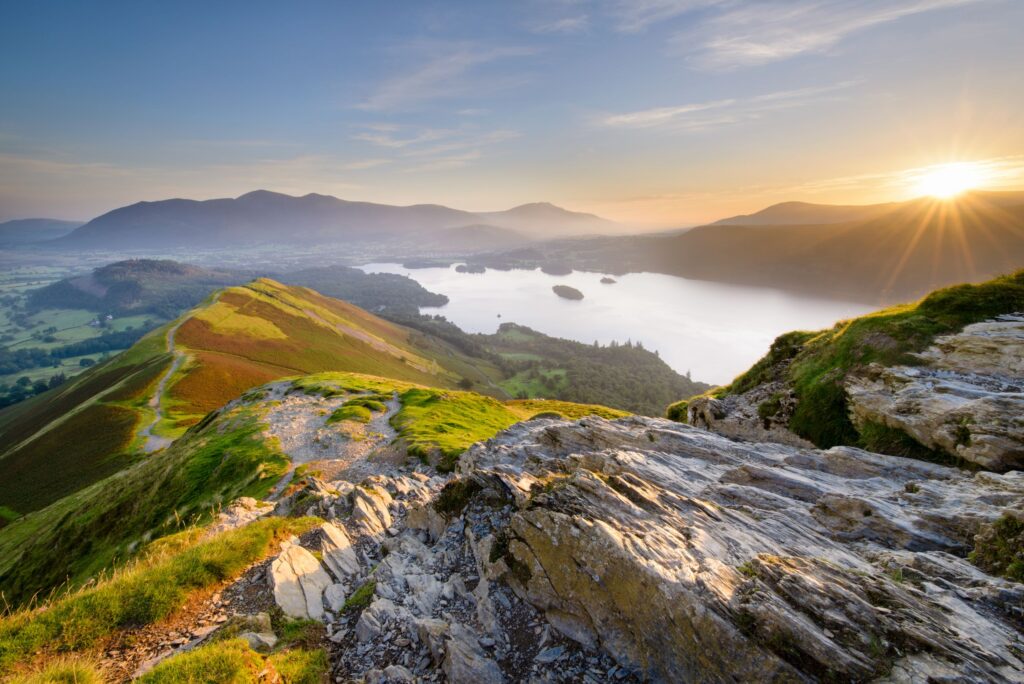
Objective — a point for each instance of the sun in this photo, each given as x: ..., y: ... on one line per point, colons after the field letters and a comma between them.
x: 945, y: 181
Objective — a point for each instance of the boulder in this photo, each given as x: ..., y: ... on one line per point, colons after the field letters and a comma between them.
x: 299, y: 582
x: 466, y: 662
x: 338, y: 553
x: 370, y: 510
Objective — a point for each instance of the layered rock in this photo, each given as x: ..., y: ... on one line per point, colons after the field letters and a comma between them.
x: 966, y: 399
x: 691, y: 557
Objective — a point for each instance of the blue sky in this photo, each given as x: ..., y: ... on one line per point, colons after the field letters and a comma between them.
x: 658, y: 112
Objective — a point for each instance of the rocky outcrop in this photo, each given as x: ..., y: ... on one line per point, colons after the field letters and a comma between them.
x: 760, y: 415
x: 690, y: 557
x: 646, y: 550
x: 966, y: 399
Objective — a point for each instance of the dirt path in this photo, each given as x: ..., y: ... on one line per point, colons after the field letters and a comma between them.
x: 341, y: 450
x: 152, y: 441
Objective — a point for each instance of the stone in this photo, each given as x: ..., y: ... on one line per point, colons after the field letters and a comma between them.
x: 370, y: 510
x: 242, y: 511
x: 299, y: 582
x: 334, y: 597
x: 373, y: 619
x: 692, y: 557
x: 465, y: 662
x: 338, y: 553
x: 263, y: 642
x: 432, y: 632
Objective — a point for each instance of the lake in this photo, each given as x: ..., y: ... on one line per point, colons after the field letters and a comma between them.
x: 713, y: 330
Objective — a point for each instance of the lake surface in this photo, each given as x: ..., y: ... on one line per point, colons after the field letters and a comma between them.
x: 713, y: 330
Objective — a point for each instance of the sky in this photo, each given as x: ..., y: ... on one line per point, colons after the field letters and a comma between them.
x: 655, y: 113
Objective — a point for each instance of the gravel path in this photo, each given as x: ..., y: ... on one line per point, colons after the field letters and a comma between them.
x: 342, y: 450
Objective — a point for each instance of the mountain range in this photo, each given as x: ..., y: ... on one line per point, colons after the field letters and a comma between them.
x: 263, y: 217
x: 889, y: 253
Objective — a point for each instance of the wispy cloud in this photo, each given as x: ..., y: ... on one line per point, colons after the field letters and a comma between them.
x: 573, y: 24
x: 432, y: 149
x: 632, y: 16
x: 697, y: 116
x: 448, y: 74
x: 750, y: 34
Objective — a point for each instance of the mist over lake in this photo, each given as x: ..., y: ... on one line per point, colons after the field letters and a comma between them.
x: 713, y: 330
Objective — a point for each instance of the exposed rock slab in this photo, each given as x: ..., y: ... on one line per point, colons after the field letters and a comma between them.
x: 691, y: 557
x: 967, y: 400
x: 298, y: 581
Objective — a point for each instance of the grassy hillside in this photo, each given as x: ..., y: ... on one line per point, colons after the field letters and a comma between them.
x: 815, y: 364
x: 160, y: 582
x: 160, y: 287
x: 625, y: 376
x: 225, y: 456
x: 91, y: 427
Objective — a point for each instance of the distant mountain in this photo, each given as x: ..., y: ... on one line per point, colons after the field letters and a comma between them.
x: 805, y: 213
x: 901, y: 254
x: 269, y: 217
x: 162, y: 287
x: 546, y: 220
x: 28, y: 231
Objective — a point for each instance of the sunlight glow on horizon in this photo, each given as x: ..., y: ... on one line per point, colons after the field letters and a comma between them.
x: 945, y: 181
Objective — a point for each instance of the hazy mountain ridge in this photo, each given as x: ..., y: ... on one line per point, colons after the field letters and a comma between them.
x: 799, y: 213
x: 902, y: 254
x: 33, y: 230
x: 268, y: 217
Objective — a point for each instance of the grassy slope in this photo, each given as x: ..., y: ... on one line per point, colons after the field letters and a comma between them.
x: 625, y: 377
x: 78, y: 433
x: 444, y: 423
x: 819, y: 362
x: 149, y: 590
x: 88, y: 428
x: 93, y: 528
x: 225, y: 456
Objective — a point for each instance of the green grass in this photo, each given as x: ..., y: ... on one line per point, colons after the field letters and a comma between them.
x: 226, y: 458
x: 143, y: 592
x: 234, y: 662
x: 362, y: 596
x: 816, y: 365
x: 447, y: 423
x: 62, y: 671
x: 359, y: 414
x: 522, y: 383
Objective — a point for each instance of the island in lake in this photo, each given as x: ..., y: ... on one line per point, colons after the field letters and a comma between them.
x: 608, y: 281
x: 470, y: 268
x: 567, y: 292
